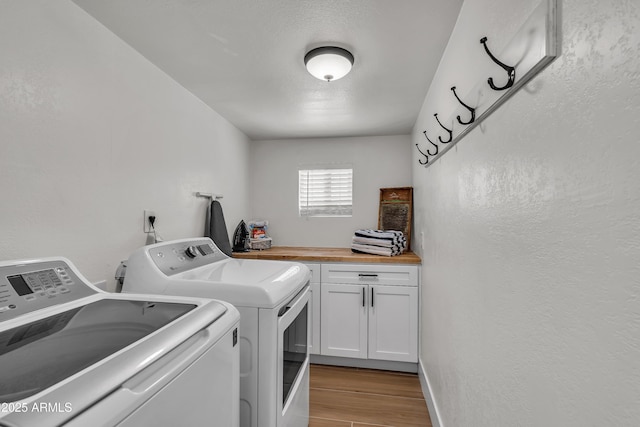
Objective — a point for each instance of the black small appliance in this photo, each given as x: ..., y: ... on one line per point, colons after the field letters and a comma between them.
x: 241, y: 238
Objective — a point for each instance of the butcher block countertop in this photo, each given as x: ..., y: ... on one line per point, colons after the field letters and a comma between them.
x: 297, y: 253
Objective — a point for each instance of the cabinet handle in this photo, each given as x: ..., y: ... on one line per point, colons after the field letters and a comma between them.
x: 371, y: 297
x: 363, y: 304
x: 367, y: 275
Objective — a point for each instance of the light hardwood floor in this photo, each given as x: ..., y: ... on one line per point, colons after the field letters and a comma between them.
x: 353, y: 397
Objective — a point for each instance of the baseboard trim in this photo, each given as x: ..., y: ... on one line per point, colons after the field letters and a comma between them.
x: 427, y: 391
x: 364, y: 363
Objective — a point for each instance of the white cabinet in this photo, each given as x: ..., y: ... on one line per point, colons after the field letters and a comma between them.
x: 344, y: 320
x: 314, y: 309
x: 393, y: 323
x: 369, y: 311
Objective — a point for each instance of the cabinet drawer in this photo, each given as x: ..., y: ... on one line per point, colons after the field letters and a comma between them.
x: 315, y: 271
x: 370, y: 274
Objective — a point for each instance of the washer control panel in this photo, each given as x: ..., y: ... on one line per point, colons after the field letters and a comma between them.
x: 173, y: 258
x: 32, y: 286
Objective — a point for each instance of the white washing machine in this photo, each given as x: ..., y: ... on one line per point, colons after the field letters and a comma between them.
x: 273, y: 300
x: 73, y: 355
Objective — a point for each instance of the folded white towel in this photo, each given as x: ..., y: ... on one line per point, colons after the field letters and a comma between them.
x: 383, y: 243
x: 371, y: 241
x: 379, y: 234
x: 380, y: 242
x: 385, y: 238
x: 375, y: 250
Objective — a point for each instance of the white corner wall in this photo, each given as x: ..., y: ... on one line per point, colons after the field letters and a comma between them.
x: 91, y: 134
x: 531, y: 272
x: 378, y: 162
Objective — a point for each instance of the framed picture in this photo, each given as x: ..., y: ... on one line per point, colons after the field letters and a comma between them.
x: 396, y: 211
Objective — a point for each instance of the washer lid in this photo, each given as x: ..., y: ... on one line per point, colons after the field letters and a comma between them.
x: 243, y: 282
x: 36, y: 355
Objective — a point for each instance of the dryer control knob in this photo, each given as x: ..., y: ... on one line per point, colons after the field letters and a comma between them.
x: 191, y: 252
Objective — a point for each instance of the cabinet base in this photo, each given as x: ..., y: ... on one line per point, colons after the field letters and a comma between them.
x: 384, y: 365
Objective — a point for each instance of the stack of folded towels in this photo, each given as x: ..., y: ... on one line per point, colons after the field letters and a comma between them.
x: 379, y: 242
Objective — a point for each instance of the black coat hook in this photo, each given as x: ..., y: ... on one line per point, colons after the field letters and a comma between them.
x: 511, y: 71
x: 425, y: 156
x: 471, y: 110
x: 448, y: 130
x: 435, y: 145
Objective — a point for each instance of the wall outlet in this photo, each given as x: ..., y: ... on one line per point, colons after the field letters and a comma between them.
x: 146, y: 225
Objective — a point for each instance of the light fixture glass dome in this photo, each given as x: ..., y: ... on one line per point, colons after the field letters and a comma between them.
x: 328, y: 62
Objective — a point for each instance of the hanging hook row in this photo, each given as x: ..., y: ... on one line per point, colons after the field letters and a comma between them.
x: 511, y: 71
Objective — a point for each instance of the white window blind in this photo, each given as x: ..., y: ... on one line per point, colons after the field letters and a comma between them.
x: 325, y: 192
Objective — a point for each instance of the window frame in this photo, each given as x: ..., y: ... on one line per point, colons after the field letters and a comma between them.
x: 332, y: 210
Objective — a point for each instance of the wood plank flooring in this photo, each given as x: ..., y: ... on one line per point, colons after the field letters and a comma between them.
x: 353, y: 397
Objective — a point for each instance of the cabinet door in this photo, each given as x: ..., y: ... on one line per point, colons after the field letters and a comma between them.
x: 393, y: 323
x: 343, y: 315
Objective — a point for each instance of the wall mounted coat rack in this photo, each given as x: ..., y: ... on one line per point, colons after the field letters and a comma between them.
x: 209, y: 196
x: 531, y: 49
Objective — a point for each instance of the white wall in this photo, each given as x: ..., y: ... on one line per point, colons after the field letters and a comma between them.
x: 91, y: 134
x: 377, y: 162
x: 531, y: 272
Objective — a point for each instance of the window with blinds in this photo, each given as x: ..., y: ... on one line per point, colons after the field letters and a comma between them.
x: 325, y: 192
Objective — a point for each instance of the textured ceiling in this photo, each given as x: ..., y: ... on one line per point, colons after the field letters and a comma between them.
x: 244, y: 58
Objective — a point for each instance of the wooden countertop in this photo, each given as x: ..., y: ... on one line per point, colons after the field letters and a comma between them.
x: 297, y: 253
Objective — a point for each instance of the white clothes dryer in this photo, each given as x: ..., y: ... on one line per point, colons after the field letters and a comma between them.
x: 73, y: 355
x: 273, y: 300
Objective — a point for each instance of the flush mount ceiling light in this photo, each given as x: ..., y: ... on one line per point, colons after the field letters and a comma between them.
x: 328, y: 62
